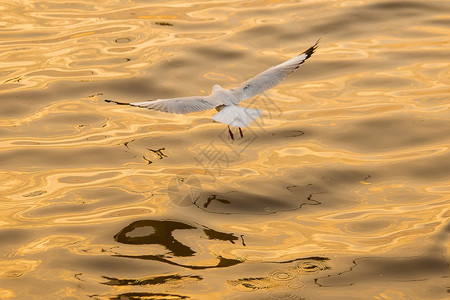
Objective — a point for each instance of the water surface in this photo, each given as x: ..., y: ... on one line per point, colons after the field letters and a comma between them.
x: 340, y: 190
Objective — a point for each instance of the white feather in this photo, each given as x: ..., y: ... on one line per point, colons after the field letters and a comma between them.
x: 181, y: 105
x: 237, y: 116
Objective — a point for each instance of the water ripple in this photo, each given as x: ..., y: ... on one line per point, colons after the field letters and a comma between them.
x: 344, y: 176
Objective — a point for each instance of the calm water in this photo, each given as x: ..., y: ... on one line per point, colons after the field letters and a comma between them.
x: 340, y: 190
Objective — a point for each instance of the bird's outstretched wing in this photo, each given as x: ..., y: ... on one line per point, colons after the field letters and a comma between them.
x: 261, y: 82
x: 182, y: 105
x: 271, y: 77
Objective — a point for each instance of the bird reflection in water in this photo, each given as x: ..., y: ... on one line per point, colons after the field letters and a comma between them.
x: 142, y: 296
x: 162, y: 234
x: 156, y: 232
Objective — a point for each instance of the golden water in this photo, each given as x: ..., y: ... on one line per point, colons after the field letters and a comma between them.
x: 340, y: 190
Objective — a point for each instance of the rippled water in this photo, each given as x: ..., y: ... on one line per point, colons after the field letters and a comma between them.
x: 340, y: 190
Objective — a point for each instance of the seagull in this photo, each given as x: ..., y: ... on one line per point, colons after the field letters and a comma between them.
x: 226, y: 101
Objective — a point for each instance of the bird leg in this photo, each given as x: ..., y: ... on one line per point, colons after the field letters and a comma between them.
x: 240, y: 131
x: 231, y: 134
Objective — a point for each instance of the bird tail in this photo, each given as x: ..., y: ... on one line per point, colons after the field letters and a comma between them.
x: 237, y: 116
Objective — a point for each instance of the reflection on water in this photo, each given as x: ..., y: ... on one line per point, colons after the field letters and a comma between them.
x: 147, y: 232
x: 139, y: 296
x: 387, y: 269
x: 340, y: 188
x: 170, y: 279
x: 285, y: 278
x: 237, y: 202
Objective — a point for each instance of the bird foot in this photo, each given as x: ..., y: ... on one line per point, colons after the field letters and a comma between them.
x: 231, y: 133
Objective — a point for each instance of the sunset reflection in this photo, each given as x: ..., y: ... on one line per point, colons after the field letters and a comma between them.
x: 339, y: 188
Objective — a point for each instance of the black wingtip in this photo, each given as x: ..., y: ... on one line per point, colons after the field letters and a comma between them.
x: 311, y: 50
x: 116, y: 102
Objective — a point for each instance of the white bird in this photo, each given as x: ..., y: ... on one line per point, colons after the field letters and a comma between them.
x: 225, y: 101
